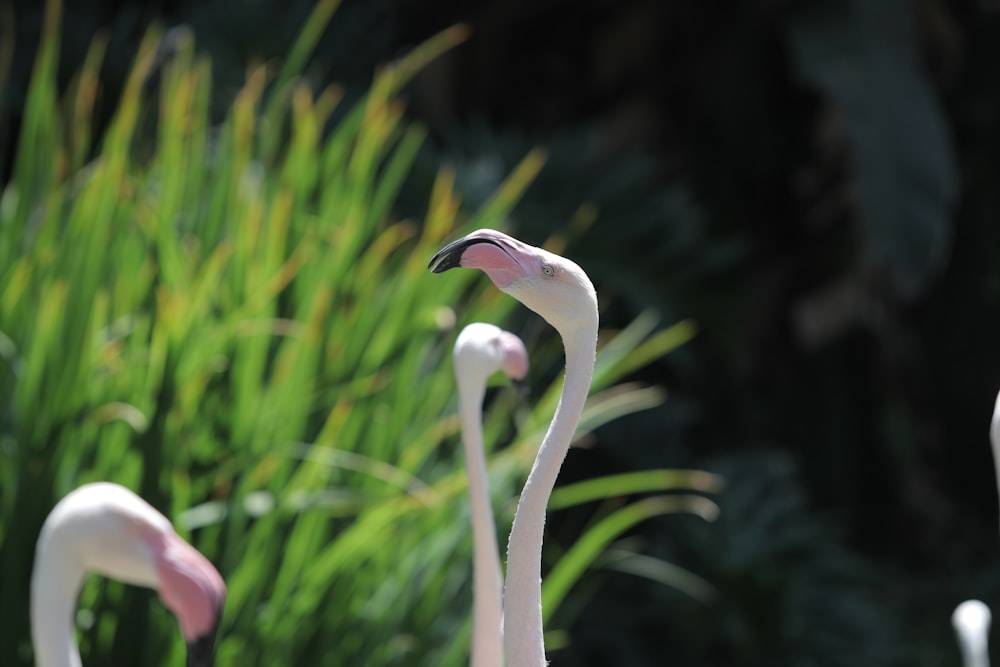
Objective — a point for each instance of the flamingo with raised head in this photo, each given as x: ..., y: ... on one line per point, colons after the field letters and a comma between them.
x: 560, y: 291
x: 107, y: 529
x: 480, y: 351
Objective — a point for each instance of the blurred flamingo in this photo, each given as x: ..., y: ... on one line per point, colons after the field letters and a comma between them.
x: 481, y: 350
x: 971, y: 620
x: 107, y: 529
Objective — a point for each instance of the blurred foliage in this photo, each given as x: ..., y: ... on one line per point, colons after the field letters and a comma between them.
x: 814, y: 183
x: 863, y: 56
x: 786, y: 173
x: 791, y: 594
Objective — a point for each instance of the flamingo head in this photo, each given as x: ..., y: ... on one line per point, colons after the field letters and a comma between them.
x: 110, y: 530
x: 481, y: 349
x: 971, y: 621
x: 552, y: 286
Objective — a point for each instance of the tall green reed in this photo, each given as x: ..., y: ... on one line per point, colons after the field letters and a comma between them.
x: 230, y: 319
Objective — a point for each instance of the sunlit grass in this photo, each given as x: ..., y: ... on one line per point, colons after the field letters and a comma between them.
x: 230, y: 319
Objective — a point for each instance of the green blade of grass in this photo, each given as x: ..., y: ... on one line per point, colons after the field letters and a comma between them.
x: 644, y: 481
x: 588, y: 547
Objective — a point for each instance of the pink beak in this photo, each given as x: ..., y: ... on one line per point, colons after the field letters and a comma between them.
x: 193, y: 590
x: 499, y: 256
x: 515, y: 356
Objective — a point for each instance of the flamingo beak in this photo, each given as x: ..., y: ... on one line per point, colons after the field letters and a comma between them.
x: 495, y: 253
x: 193, y: 589
x: 515, y: 356
x: 450, y: 257
x: 201, y: 650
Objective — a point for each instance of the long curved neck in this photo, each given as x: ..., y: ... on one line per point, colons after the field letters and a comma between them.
x: 487, y: 650
x: 55, y: 585
x: 523, y: 639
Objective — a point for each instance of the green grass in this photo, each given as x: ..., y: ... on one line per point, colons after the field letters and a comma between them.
x: 229, y: 319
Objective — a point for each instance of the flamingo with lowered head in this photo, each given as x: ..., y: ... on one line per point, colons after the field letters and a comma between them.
x: 481, y: 350
x: 107, y: 529
x: 560, y: 291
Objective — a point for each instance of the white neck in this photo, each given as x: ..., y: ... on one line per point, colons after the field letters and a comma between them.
x: 487, y: 649
x: 55, y: 584
x: 523, y: 639
x: 974, y: 652
x: 995, y: 438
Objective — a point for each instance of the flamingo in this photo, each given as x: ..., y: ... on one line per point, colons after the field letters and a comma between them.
x: 480, y: 350
x: 971, y: 620
x: 108, y: 529
x: 559, y: 291
x: 995, y: 438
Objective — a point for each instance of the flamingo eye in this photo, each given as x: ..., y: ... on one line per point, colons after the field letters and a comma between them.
x: 548, y: 270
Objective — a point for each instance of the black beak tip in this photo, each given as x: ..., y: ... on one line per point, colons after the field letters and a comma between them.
x: 449, y: 257
x: 441, y: 264
x: 201, y: 650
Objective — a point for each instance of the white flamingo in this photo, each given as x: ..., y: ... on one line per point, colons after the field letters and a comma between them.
x: 107, y: 529
x: 481, y: 350
x: 559, y: 291
x: 971, y: 621
x: 995, y: 438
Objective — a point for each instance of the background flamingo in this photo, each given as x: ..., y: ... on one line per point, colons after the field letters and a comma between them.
x: 559, y: 291
x: 995, y: 438
x: 480, y: 350
x: 107, y: 529
x: 971, y: 620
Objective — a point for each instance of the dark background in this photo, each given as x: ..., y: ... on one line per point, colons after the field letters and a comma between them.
x: 816, y: 184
